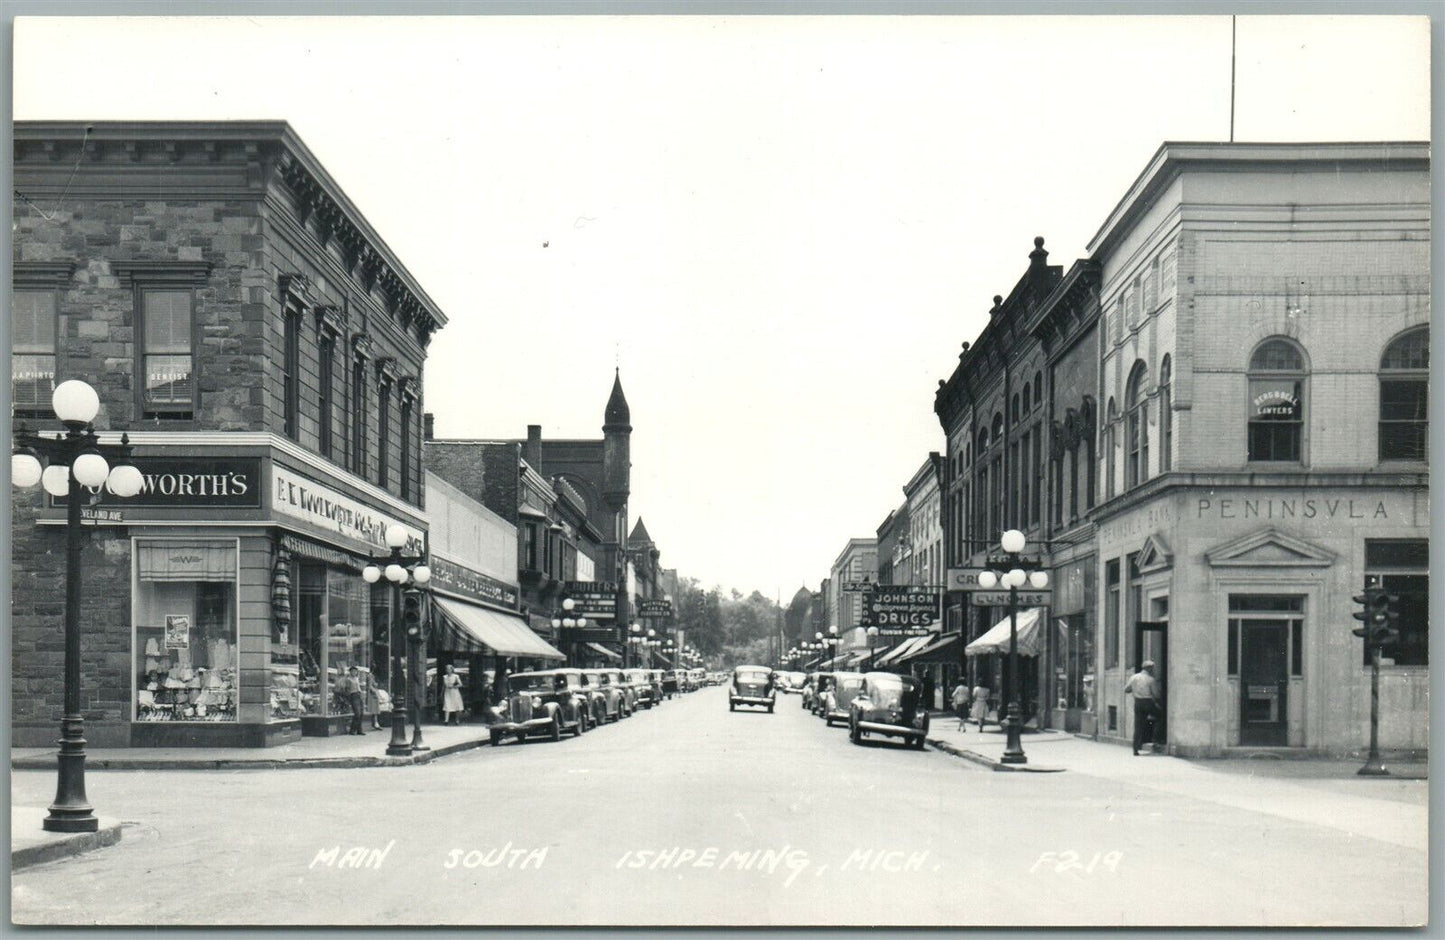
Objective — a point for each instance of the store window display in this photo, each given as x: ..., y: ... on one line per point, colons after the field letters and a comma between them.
x: 332, y: 611
x: 185, y: 630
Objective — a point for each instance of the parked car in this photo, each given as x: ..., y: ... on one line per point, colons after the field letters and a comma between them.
x: 696, y: 676
x: 891, y: 705
x: 659, y: 691
x: 548, y: 702
x: 810, y: 689
x: 640, y: 680
x: 752, y: 685
x: 609, y: 698
x: 821, y: 684
x: 792, y: 682
x: 671, y: 682
x: 846, y: 686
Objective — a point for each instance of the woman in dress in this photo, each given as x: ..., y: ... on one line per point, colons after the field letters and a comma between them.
x: 451, y: 696
x: 980, y: 705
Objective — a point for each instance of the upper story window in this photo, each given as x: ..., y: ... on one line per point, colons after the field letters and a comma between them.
x: 358, y: 416
x: 383, y: 431
x: 1276, y: 402
x: 406, y: 446
x: 1038, y: 388
x: 32, y: 348
x: 1404, y: 397
x: 1027, y: 406
x: 167, y: 358
x: 1136, y: 427
x: 1014, y: 408
x: 1166, y: 417
x: 997, y: 426
x: 291, y: 369
x: 1111, y: 451
x: 326, y: 380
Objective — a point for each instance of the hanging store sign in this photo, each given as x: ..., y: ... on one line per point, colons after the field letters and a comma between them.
x: 964, y: 579
x: 1001, y: 598
x: 450, y: 576
x: 320, y: 506
x: 661, y: 608
x: 897, y: 605
x: 857, y: 587
x: 191, y: 483
x: 596, y: 599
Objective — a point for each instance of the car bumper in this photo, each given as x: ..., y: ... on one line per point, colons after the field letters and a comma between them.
x: 881, y: 727
x: 751, y: 699
x: 523, y: 727
x: 837, y: 714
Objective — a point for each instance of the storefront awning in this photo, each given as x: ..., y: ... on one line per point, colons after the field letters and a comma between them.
x: 469, y: 628
x: 599, y: 648
x: 942, y: 649
x: 903, y: 649
x: 996, y: 639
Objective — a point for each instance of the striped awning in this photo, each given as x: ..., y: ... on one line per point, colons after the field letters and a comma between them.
x: 909, y: 645
x: 599, y: 648
x: 942, y: 649
x: 469, y: 628
x: 996, y: 640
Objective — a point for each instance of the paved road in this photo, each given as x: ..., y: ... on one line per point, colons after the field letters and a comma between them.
x: 750, y: 818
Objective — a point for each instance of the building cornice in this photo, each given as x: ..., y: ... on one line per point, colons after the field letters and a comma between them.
x: 1221, y: 479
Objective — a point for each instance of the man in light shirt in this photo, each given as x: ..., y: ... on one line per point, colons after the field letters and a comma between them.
x: 1147, y: 703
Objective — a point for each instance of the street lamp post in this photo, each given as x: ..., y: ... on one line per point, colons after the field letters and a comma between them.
x: 564, y: 619
x: 400, y: 568
x: 872, y: 638
x: 76, y: 468
x: 1021, y: 571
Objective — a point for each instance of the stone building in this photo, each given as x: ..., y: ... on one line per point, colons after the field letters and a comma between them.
x: 895, y: 551
x: 1264, y: 355
x: 264, y: 348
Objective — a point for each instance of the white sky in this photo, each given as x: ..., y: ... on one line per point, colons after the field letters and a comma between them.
x: 785, y: 226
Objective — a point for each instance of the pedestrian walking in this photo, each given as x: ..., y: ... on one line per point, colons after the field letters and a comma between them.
x: 1147, y: 704
x: 979, y: 710
x: 373, y: 699
x: 451, y: 696
x: 350, y: 687
x: 959, y: 700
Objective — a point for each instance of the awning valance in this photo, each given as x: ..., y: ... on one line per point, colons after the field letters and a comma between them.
x: 903, y: 649
x: 599, y: 648
x: 186, y: 561
x: 996, y: 639
x: 942, y: 649
x: 469, y: 628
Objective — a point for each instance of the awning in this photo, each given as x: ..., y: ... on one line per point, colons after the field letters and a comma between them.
x: 904, y: 648
x: 468, y: 628
x: 599, y: 648
x: 943, y: 649
x: 996, y: 639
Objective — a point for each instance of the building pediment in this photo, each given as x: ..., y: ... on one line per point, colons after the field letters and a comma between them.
x: 1270, y: 548
x: 1155, y: 554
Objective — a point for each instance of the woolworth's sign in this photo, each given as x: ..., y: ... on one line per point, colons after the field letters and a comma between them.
x: 191, y: 483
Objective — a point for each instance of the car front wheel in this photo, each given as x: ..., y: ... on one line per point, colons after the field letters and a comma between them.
x: 496, y: 738
x: 556, y: 727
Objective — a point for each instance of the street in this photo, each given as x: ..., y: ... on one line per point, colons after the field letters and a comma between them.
x: 690, y: 815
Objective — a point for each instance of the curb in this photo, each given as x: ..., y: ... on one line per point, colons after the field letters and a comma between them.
x: 977, y: 758
x: 65, y: 846
x: 47, y: 762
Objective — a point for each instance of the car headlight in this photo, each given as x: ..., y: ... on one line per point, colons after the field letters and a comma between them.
x: 536, y: 702
x: 920, y: 720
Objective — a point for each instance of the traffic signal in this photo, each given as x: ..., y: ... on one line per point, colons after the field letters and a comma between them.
x: 1389, y: 633
x: 411, y: 611
x: 1379, y: 616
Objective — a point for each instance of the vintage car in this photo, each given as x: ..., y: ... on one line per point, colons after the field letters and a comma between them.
x: 846, y: 686
x: 698, y: 677
x: 544, y: 703
x: 888, y: 704
x: 671, y: 682
x: 643, y: 695
x: 658, y: 678
x: 791, y: 682
x: 609, y: 697
x: 822, y: 682
x: 752, y: 685
x: 809, y: 689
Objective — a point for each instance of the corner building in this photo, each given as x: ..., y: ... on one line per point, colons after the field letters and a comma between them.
x: 1264, y: 351
x: 264, y: 349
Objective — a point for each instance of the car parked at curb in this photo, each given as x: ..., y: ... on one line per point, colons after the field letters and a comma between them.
x: 643, y: 695
x: 608, y: 697
x: 846, y: 686
x: 891, y: 705
x: 545, y: 703
x: 752, y: 686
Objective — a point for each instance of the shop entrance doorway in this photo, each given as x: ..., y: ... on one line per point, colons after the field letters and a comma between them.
x: 1263, y: 682
x: 1151, y: 642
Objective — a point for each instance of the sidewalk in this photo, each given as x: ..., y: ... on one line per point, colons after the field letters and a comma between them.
x: 368, y: 750
x: 1324, y: 792
x: 30, y: 844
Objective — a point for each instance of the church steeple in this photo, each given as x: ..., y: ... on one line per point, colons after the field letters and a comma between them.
x: 616, y: 449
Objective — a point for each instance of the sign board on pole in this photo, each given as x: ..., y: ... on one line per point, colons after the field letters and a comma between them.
x: 898, y: 605
x: 857, y: 587
x: 964, y: 579
x: 596, y: 599
x: 654, y: 608
x: 1001, y: 598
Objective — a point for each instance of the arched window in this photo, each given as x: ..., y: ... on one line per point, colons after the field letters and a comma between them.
x: 1110, y: 451
x: 1027, y: 407
x: 1166, y: 418
x: 982, y: 441
x: 1136, y: 427
x: 997, y: 426
x: 1038, y: 388
x: 1276, y: 402
x: 1091, y: 470
x: 1404, y: 394
x: 1014, y: 408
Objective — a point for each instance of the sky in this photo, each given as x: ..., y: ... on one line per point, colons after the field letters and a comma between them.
x: 780, y: 229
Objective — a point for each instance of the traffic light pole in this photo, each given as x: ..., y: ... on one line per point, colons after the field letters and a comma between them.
x: 1373, y: 767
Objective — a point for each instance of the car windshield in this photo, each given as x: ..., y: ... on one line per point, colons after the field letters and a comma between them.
x: 751, y: 675
x: 889, y: 694
x: 848, y: 687
x: 538, y: 682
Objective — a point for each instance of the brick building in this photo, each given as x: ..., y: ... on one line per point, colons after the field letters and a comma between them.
x: 264, y: 348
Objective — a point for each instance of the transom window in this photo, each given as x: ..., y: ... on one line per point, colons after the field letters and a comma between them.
x: 1276, y: 402
x: 1404, y: 397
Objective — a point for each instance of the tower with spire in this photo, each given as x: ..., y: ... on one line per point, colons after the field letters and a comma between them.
x: 616, y: 448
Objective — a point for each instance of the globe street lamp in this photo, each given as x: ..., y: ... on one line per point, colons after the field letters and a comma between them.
x: 76, y: 467
x: 872, y: 638
x: 400, y: 569
x: 564, y: 619
x: 1020, y: 571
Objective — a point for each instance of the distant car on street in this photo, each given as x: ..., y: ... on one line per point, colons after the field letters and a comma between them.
x: 609, y: 697
x: 752, y: 686
x: 792, y: 682
x: 891, y: 705
x: 822, y: 682
x: 543, y: 703
x: 671, y: 682
x: 643, y: 693
x: 846, y: 686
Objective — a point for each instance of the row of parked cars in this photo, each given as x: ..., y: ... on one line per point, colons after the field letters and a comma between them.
x: 867, y: 703
x: 553, y: 702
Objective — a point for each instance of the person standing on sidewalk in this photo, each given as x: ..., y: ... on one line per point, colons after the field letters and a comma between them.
x: 351, y: 689
x: 373, y: 700
x: 451, y: 696
x: 959, y: 700
x: 1145, y: 689
x: 979, y: 712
